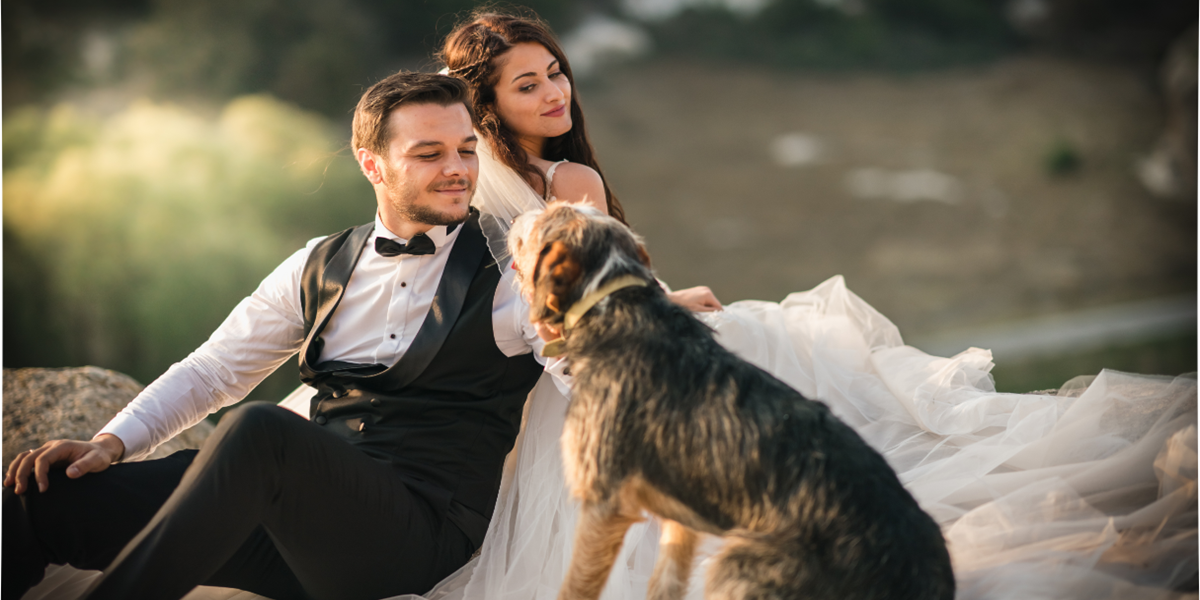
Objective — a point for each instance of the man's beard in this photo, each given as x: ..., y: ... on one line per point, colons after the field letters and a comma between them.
x: 404, y: 203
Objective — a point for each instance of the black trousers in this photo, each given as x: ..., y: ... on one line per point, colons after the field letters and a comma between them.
x: 272, y: 504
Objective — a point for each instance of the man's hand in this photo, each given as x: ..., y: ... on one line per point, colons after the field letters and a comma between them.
x: 80, y: 458
x: 696, y: 299
x: 546, y: 332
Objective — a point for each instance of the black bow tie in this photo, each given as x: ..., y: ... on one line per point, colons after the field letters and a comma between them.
x: 419, y: 244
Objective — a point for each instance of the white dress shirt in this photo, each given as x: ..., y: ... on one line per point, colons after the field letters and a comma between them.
x: 384, y: 305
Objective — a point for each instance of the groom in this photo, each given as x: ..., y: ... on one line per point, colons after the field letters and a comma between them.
x: 420, y: 353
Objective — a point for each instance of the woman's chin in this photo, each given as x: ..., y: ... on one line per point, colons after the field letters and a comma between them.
x: 562, y: 127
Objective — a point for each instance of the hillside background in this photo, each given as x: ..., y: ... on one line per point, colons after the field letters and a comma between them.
x: 970, y: 167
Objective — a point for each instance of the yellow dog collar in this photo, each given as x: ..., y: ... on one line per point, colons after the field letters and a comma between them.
x: 557, y: 347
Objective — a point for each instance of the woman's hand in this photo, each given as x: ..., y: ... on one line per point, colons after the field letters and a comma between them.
x: 696, y: 299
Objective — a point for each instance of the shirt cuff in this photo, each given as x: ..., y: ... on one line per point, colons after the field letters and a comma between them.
x: 557, y: 368
x: 133, y: 433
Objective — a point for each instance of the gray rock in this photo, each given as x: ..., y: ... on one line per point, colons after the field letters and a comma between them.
x: 72, y: 403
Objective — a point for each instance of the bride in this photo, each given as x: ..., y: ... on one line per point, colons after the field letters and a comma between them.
x: 1089, y: 492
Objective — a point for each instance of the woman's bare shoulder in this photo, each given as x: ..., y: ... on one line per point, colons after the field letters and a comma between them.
x: 574, y: 182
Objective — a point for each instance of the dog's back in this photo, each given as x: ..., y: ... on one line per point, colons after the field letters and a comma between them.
x: 810, y: 509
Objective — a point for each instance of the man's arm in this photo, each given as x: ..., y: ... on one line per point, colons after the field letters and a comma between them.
x: 515, y: 335
x: 262, y: 332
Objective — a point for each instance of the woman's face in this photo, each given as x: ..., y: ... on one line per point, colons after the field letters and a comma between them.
x: 533, y: 95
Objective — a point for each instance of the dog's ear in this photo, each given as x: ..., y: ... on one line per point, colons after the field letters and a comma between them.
x: 560, y: 271
x: 643, y: 255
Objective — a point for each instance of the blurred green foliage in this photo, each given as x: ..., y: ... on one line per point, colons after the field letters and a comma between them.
x: 318, y: 54
x: 1167, y: 356
x: 128, y: 238
x: 828, y: 34
x: 1061, y: 159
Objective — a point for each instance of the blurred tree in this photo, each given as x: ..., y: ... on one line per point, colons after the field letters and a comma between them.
x: 318, y: 54
x: 129, y: 238
x: 43, y: 42
x: 840, y: 34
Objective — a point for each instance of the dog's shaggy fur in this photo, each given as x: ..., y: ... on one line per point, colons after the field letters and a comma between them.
x: 662, y: 418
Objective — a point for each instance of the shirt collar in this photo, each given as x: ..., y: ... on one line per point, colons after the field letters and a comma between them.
x: 440, y: 234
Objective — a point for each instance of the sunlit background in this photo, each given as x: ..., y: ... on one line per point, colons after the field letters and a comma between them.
x: 1015, y: 174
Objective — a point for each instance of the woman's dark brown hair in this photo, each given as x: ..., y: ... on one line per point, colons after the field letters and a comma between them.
x: 470, y: 53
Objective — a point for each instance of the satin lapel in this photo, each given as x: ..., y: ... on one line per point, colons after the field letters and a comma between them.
x: 334, y: 277
x: 469, y: 249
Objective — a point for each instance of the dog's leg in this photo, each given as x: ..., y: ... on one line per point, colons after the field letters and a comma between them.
x: 676, y: 548
x: 598, y: 539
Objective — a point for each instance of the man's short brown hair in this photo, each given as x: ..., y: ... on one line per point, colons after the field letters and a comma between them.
x: 370, y: 128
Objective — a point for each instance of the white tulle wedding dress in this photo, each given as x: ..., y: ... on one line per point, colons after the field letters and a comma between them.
x: 1086, y: 493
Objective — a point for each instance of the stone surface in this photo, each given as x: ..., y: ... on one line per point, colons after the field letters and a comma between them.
x: 72, y: 403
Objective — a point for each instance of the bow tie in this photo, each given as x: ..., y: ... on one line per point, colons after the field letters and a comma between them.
x: 419, y: 244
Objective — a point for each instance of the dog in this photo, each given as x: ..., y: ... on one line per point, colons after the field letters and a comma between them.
x: 664, y: 419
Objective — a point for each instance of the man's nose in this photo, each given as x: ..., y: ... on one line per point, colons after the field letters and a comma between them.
x: 454, y: 165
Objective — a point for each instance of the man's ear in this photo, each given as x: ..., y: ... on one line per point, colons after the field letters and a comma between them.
x: 559, y: 272
x: 371, y: 165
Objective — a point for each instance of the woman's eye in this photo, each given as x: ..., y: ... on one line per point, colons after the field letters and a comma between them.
x: 556, y: 74
x: 527, y: 88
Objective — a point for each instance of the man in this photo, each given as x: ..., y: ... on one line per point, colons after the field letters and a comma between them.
x: 420, y: 355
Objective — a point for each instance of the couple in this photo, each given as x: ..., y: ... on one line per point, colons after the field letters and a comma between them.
x: 1084, y: 494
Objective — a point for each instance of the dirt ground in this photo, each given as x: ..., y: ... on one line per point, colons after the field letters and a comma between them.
x: 687, y: 148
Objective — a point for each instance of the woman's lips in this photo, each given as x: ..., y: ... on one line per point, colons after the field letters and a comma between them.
x: 558, y: 112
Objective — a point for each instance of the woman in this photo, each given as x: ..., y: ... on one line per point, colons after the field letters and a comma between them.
x: 1066, y: 491
x: 532, y: 124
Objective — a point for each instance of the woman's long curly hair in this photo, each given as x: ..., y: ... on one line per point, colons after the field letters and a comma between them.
x: 470, y: 53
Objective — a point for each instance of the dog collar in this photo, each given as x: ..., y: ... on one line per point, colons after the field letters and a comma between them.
x: 557, y: 347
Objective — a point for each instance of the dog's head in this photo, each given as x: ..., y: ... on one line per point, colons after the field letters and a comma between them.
x: 566, y: 251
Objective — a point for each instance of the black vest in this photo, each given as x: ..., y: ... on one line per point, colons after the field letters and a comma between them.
x: 446, y: 414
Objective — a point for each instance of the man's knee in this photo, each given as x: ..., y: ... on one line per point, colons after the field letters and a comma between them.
x: 255, y: 417
x: 255, y: 424
x: 61, y: 492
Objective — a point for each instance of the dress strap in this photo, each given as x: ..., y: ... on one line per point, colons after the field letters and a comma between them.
x: 550, y: 179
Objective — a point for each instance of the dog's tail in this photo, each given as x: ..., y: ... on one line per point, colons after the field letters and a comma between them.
x: 778, y: 567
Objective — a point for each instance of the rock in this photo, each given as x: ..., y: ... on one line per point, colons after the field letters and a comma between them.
x: 72, y: 403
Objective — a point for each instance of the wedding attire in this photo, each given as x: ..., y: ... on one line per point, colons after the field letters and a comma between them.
x: 421, y: 364
x: 1086, y: 493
